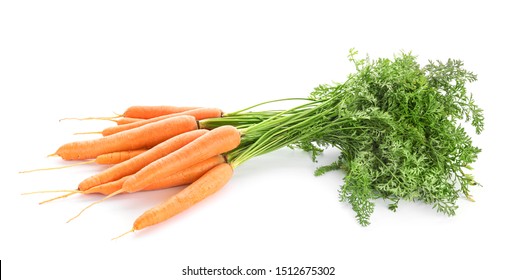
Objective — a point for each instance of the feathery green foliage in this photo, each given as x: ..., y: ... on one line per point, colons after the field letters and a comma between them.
x: 398, y: 127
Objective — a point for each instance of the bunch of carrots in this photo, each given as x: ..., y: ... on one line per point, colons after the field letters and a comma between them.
x: 397, y: 125
x: 156, y: 147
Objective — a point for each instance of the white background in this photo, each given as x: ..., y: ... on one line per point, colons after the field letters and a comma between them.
x: 90, y: 58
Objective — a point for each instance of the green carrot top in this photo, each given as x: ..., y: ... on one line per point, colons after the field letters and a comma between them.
x: 398, y: 126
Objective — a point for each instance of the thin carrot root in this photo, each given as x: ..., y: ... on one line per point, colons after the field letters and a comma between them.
x: 96, y: 202
x: 50, y: 191
x: 123, y: 234
x: 57, y: 167
x: 69, y: 192
x: 125, y: 120
x: 87, y: 132
x: 92, y: 118
x: 59, y: 197
x: 53, y: 155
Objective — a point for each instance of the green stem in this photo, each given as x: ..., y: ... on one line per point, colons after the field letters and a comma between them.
x: 281, y: 132
x: 263, y: 103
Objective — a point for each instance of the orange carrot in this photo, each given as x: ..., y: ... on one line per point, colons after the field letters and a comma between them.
x: 110, y: 158
x: 136, y: 163
x: 107, y: 188
x: 217, y: 141
x: 118, y: 157
x: 184, y: 177
x: 140, y: 112
x: 148, y: 112
x: 145, y: 136
x: 199, y: 114
x: 206, y: 185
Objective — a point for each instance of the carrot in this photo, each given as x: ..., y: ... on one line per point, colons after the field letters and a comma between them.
x: 135, y: 164
x: 105, y: 159
x: 184, y: 177
x: 106, y: 188
x: 206, y: 185
x: 199, y: 114
x: 118, y: 157
x: 140, y: 112
x: 142, y: 137
x: 217, y: 141
x: 148, y: 112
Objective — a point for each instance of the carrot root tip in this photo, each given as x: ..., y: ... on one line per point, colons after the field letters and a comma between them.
x: 57, y: 167
x: 96, y: 202
x: 90, y: 118
x: 87, y: 132
x: 123, y: 234
x: 58, y: 197
x: 50, y: 191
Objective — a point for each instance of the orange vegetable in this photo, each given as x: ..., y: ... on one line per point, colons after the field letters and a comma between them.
x: 217, y: 141
x: 184, y: 177
x: 148, y: 112
x: 118, y: 157
x: 145, y: 136
x: 209, y: 183
x: 136, y: 163
x: 199, y: 114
